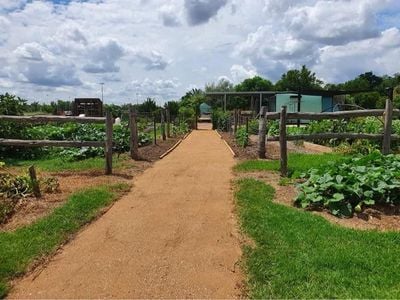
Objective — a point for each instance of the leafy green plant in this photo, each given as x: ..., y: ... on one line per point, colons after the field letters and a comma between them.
x: 180, y: 129
x: 14, y: 187
x: 353, y: 184
x: 253, y: 127
x: 220, y: 120
x: 242, y: 137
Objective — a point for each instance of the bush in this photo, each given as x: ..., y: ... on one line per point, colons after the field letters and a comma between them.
x: 253, y: 127
x: 353, y: 184
x: 220, y: 120
x: 180, y: 129
x: 187, y: 115
x: 242, y: 137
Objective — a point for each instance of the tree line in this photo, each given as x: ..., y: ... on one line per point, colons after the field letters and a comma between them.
x: 371, y: 86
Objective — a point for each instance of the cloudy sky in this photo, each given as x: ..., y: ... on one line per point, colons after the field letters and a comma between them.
x: 162, y: 48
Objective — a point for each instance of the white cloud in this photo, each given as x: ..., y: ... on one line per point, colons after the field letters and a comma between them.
x: 66, y: 50
x: 335, y: 22
x: 380, y: 54
x: 155, y: 88
x: 170, y: 15
x: 240, y: 73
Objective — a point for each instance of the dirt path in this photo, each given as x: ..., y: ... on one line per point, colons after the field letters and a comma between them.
x: 173, y: 236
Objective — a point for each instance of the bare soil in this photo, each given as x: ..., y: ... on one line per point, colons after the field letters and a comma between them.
x: 31, y: 209
x: 153, y: 152
x: 173, y: 236
x: 272, y: 148
x: 376, y: 218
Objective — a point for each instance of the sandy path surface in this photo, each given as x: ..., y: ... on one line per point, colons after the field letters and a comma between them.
x: 173, y: 236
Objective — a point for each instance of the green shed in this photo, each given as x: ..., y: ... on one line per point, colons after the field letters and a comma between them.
x: 308, y: 103
x: 205, y: 109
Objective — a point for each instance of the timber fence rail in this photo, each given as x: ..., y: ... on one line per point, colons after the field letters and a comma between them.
x: 107, y: 143
x: 283, y: 116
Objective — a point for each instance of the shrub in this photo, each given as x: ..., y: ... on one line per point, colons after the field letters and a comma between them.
x: 180, y: 129
x: 353, y: 184
x: 220, y: 120
x: 253, y: 127
x: 242, y: 137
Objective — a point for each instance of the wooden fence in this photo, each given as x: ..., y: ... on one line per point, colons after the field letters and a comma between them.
x: 283, y: 116
x: 107, y: 144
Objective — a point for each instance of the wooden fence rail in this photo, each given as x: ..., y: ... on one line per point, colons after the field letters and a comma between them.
x: 386, y: 137
x: 55, y: 119
x: 107, y: 144
x: 331, y: 115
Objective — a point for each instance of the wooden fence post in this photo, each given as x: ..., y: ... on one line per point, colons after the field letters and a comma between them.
x: 109, y: 142
x: 247, y: 125
x: 168, y: 115
x: 155, y: 129
x: 134, y: 140
x: 388, y: 116
x: 235, y: 121
x: 262, y: 132
x: 283, y: 142
x: 164, y: 137
x: 35, y: 183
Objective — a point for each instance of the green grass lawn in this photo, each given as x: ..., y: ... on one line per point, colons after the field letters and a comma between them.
x: 301, y: 255
x: 59, y: 164
x: 298, y: 163
x: 20, y: 248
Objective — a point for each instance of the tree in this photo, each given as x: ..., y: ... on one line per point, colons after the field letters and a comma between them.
x: 193, y: 99
x: 148, y: 106
x: 297, y: 80
x: 255, y: 84
x: 115, y: 110
x: 222, y: 85
x: 173, y: 107
x: 12, y: 105
x: 369, y: 100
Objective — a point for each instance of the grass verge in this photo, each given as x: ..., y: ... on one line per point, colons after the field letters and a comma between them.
x: 298, y: 163
x: 301, y: 255
x: 18, y: 249
x: 59, y: 164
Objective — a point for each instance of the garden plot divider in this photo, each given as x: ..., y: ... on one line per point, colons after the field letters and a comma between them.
x: 107, y: 144
x: 386, y: 137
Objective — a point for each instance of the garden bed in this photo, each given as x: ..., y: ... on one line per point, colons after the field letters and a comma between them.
x: 272, y: 148
x: 74, y: 176
x: 378, y: 216
x: 375, y: 218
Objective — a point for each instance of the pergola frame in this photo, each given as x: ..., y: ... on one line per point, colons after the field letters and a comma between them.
x: 299, y: 94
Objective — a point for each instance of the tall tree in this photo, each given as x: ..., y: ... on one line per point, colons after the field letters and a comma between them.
x: 223, y: 85
x: 173, y: 107
x: 255, y: 84
x: 295, y: 80
x: 148, y: 106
